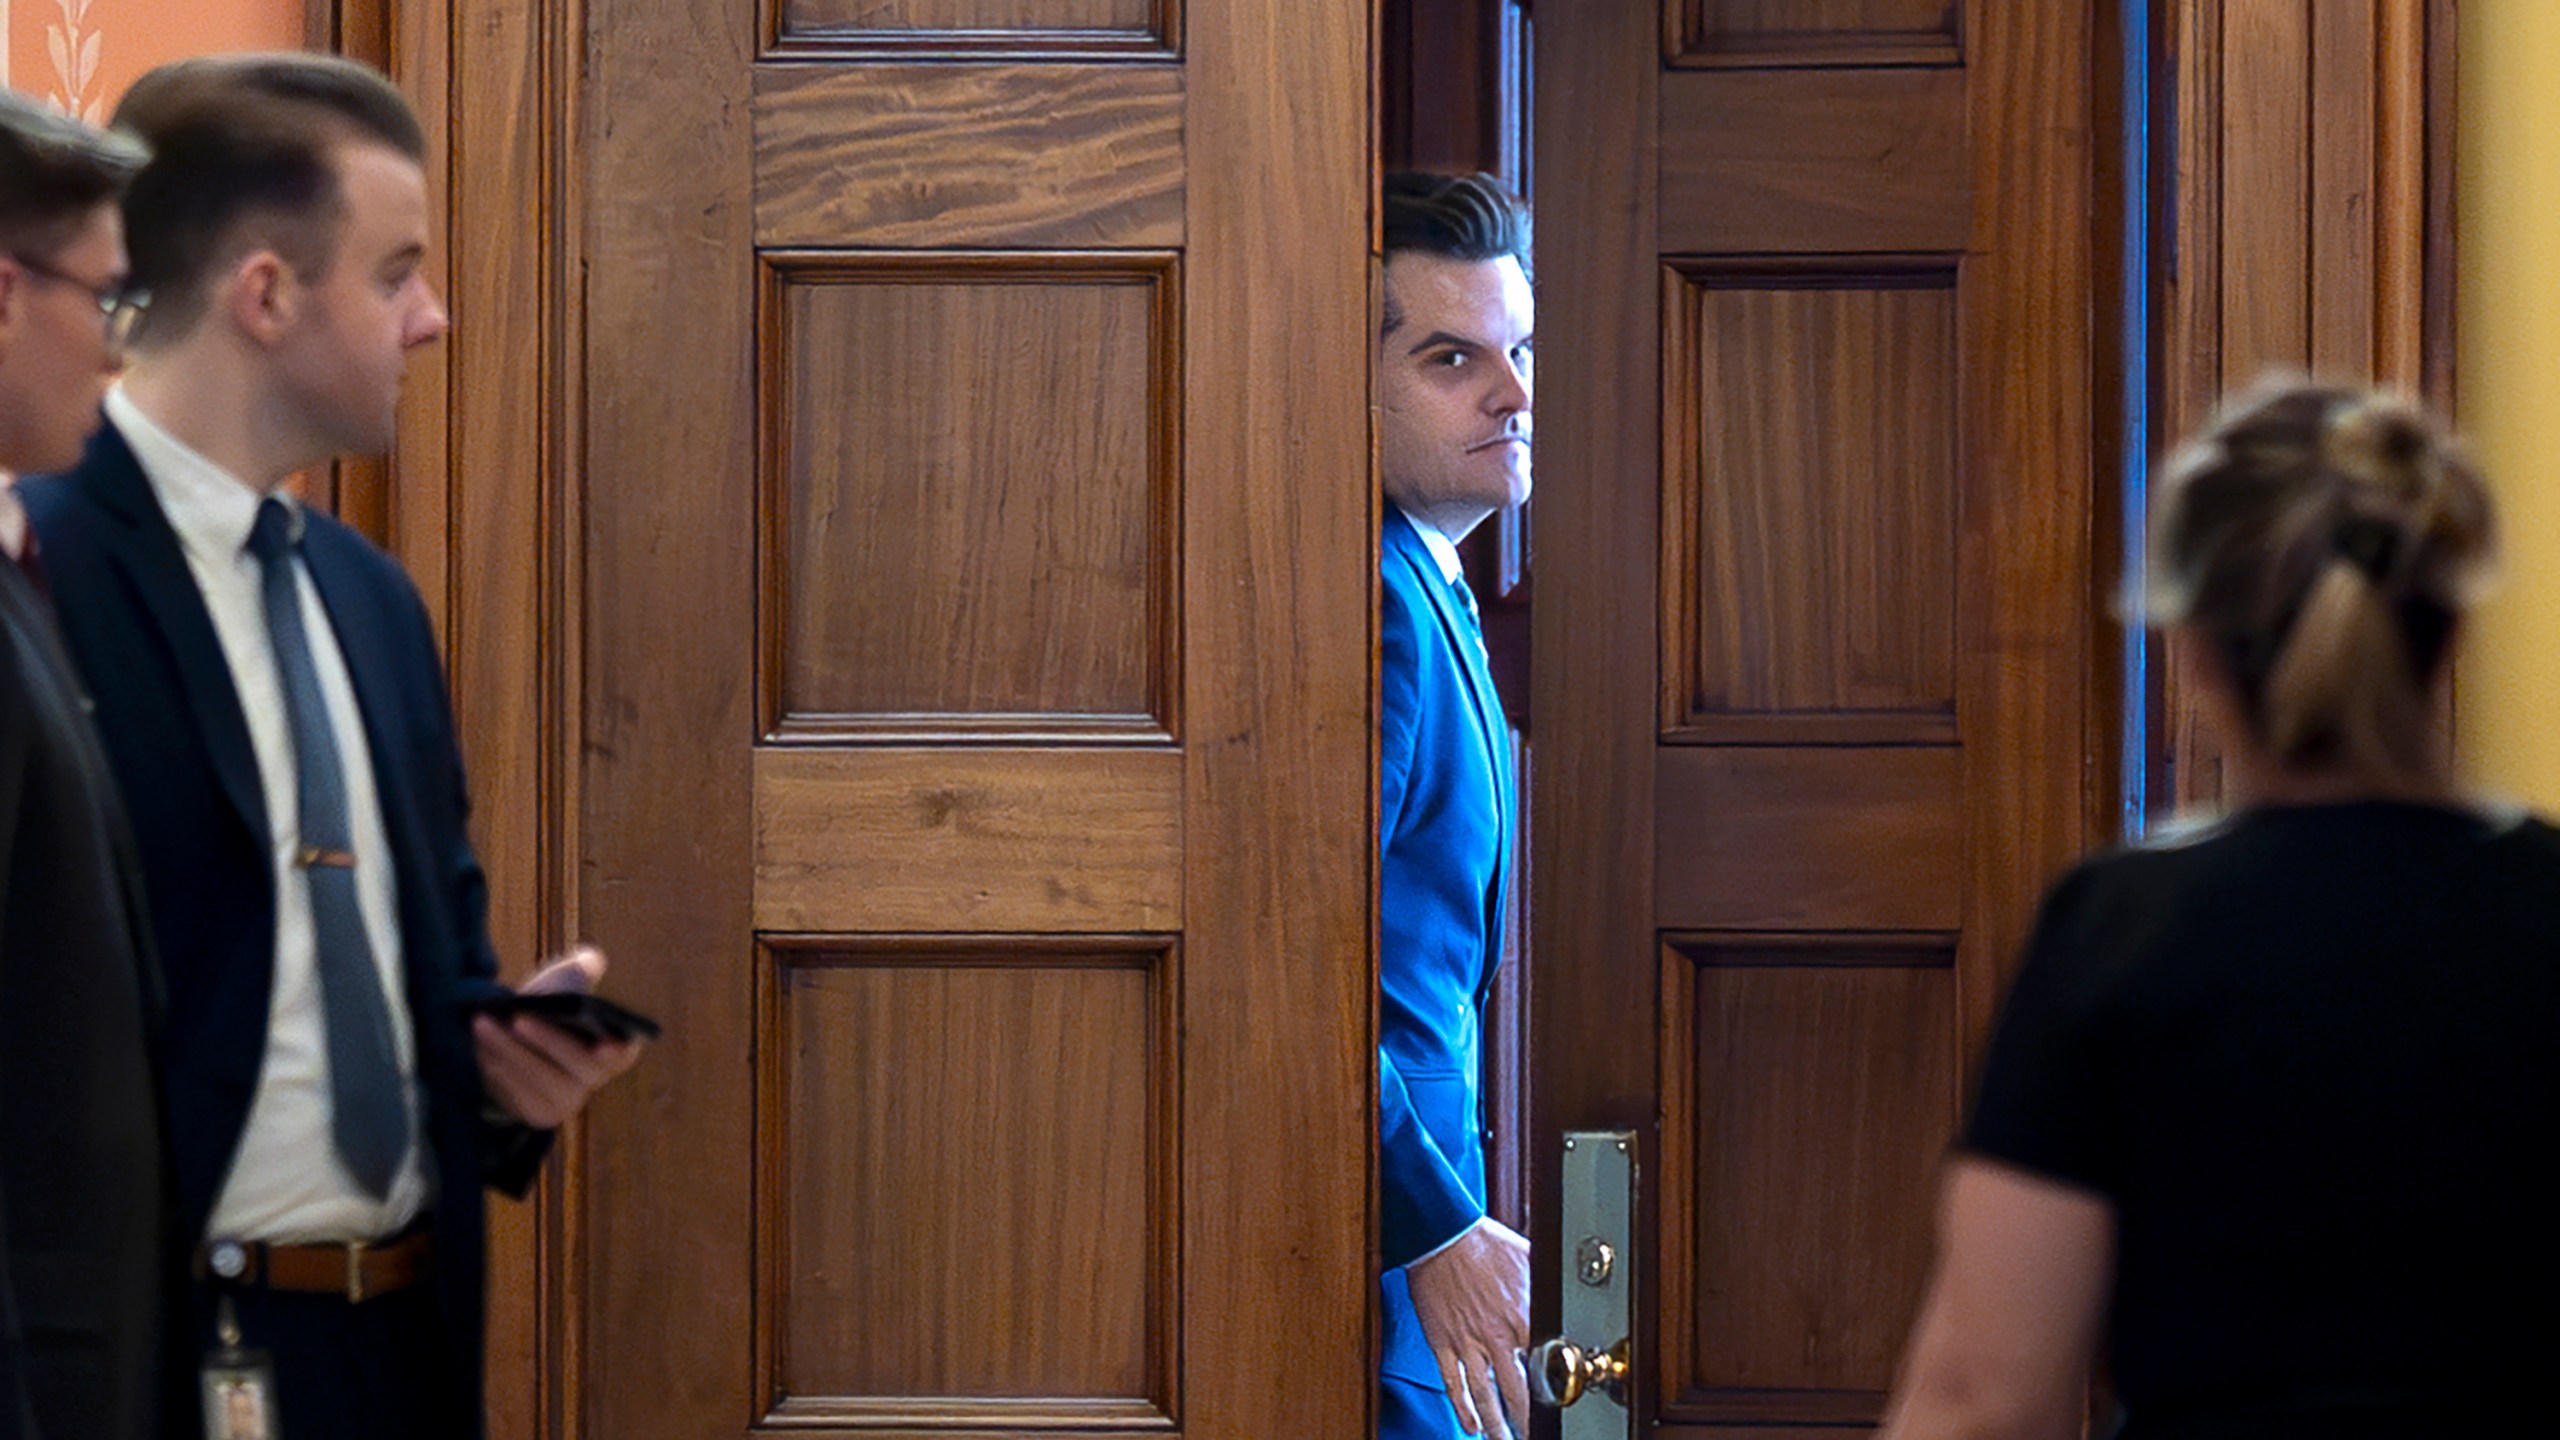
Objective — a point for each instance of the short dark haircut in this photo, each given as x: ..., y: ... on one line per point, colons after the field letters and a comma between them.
x: 1456, y: 217
x: 54, y: 172
x: 242, y: 151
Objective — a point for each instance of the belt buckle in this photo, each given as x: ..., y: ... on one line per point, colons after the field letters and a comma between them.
x: 355, y: 1272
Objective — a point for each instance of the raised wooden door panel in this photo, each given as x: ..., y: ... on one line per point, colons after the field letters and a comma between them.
x: 970, y: 27
x: 980, y: 569
x: 1810, y: 495
x: 1808, y: 1087
x: 1819, y: 471
x: 973, y: 487
x: 889, y: 1224
x: 1812, y: 32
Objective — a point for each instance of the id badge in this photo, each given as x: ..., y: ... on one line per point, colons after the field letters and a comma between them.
x: 239, y: 1387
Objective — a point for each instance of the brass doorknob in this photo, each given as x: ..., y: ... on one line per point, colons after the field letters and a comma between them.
x: 1560, y: 1372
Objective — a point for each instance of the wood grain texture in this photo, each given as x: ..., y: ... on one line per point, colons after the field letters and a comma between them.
x: 2345, y: 152
x: 978, y: 29
x: 2403, y: 234
x: 2186, y: 767
x: 812, y: 16
x: 1591, y: 799
x: 1810, y: 501
x: 973, y: 490
x: 663, y: 1285
x: 1280, y: 586
x: 1740, y: 149
x: 1805, y: 1105
x: 2266, y: 188
x: 2026, y: 321
x: 941, y: 840
x: 953, y: 1129
x: 1813, y: 32
x: 508, y: 649
x: 1829, y: 839
x: 1013, y: 155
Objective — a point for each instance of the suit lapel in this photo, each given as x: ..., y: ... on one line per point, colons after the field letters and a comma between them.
x: 1463, y: 643
x: 1490, y: 726
x: 146, y: 550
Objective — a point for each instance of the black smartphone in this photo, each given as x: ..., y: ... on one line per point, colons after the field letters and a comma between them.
x: 592, y: 1018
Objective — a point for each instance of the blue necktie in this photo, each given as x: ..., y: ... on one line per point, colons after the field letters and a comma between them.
x: 369, y: 1114
x: 1467, y: 607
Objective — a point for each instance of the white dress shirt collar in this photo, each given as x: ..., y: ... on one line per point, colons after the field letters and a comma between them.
x: 212, y: 509
x: 13, y: 519
x: 1442, y: 548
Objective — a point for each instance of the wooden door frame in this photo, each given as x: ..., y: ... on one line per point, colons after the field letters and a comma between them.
x: 2402, y: 187
x: 480, y: 502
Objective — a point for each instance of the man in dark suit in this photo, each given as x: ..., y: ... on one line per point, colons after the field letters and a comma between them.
x: 1454, y: 384
x: 268, y: 688
x: 84, y: 1215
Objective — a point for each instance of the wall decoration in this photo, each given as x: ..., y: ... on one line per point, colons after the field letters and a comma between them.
x: 81, y: 54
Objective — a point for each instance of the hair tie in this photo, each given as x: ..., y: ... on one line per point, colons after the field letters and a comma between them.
x: 2372, y: 546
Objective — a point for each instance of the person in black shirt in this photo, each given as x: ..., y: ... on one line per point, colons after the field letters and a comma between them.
x: 2261, y: 1108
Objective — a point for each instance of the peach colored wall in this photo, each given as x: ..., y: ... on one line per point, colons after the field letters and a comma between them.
x: 81, y: 54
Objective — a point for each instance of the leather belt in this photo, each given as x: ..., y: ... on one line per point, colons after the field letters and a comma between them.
x: 356, y: 1269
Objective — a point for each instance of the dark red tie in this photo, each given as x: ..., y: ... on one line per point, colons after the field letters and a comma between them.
x: 31, y: 564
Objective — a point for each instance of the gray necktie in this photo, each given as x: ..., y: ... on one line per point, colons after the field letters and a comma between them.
x: 369, y: 1113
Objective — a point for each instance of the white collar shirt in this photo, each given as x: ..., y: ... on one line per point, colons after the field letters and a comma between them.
x: 1442, y: 548
x: 286, y: 1183
x: 13, y: 519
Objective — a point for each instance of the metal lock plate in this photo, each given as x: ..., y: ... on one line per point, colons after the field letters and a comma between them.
x: 1599, y: 1266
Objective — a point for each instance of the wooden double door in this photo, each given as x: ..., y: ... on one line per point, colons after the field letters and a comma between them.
x: 973, y: 591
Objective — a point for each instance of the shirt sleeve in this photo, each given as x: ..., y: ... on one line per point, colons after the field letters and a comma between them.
x: 2045, y: 1104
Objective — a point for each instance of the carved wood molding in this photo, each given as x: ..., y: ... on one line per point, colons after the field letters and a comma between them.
x: 2308, y: 227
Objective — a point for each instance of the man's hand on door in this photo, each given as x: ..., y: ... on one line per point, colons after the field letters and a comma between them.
x: 1473, y: 1301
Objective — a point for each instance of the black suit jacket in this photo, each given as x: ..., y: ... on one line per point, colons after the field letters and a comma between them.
x: 86, y: 1253
x: 138, y: 629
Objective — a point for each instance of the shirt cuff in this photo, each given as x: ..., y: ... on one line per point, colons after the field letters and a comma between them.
x: 1445, y: 1244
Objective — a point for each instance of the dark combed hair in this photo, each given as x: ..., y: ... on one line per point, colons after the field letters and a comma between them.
x: 55, y: 171
x: 1456, y: 217
x: 2325, y: 542
x: 242, y: 151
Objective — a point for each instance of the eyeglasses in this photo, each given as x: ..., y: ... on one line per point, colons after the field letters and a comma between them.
x: 119, y: 304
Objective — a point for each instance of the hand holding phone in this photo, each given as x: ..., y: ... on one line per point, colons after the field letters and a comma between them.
x: 542, y: 1074
x: 591, y: 1018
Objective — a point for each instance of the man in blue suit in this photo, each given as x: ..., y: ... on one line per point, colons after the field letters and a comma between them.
x: 270, y: 697
x: 1454, y: 383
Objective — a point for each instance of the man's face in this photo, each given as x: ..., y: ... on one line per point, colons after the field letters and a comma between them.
x: 55, y: 364
x: 1455, y: 378
x: 343, y: 357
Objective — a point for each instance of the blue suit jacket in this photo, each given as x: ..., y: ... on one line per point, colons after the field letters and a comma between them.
x: 1445, y: 809
x: 137, y: 628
